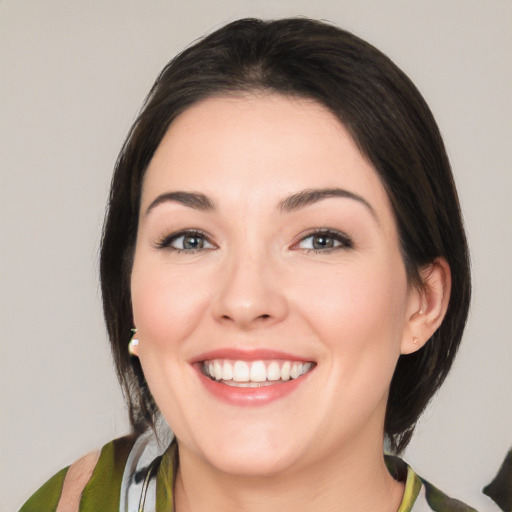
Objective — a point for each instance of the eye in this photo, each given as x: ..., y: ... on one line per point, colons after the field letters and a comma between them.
x: 324, y: 241
x: 189, y: 241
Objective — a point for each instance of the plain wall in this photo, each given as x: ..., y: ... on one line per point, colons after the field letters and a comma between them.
x: 73, y: 75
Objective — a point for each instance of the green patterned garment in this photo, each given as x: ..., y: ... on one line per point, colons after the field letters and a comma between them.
x: 107, y: 484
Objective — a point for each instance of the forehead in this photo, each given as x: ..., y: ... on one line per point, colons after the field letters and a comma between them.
x: 256, y: 147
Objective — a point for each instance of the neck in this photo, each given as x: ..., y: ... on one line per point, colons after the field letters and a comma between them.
x: 354, y: 479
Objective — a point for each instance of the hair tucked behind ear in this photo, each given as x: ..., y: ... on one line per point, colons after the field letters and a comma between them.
x: 394, y: 129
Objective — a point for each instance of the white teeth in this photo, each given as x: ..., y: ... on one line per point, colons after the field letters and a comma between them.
x: 285, y: 371
x: 227, y: 371
x: 240, y: 372
x: 249, y: 384
x: 256, y: 373
x: 273, y: 371
x: 218, y: 370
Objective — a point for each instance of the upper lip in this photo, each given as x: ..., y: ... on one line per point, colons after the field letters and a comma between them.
x: 247, y: 355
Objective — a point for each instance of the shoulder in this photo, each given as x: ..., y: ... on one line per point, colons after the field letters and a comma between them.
x: 438, y: 501
x: 77, y: 476
x: 420, y: 495
x: 70, y: 487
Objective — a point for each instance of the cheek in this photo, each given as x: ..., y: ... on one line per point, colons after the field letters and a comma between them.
x: 166, y: 305
x: 360, y: 310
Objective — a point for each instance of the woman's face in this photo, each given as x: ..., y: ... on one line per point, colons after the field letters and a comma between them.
x: 268, y: 287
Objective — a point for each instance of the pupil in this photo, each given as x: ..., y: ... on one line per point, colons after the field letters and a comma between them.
x: 193, y: 242
x: 322, y: 242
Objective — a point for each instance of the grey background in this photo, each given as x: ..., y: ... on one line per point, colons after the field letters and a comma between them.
x: 72, y: 77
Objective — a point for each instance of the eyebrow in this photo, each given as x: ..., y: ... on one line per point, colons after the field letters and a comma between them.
x: 199, y: 201
x: 194, y: 200
x: 311, y: 196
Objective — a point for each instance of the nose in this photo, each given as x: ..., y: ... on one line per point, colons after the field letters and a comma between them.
x: 251, y: 294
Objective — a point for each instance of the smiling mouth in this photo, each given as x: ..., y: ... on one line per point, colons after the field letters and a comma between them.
x: 254, y: 374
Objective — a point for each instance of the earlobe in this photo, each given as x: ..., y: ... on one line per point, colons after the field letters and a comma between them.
x: 428, y: 305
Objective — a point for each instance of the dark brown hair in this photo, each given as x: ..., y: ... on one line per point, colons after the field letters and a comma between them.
x: 395, y: 131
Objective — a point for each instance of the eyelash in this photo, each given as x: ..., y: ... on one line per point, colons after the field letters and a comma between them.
x: 166, y: 242
x: 343, y: 241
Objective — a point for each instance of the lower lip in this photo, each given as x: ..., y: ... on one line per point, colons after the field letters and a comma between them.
x: 251, y: 396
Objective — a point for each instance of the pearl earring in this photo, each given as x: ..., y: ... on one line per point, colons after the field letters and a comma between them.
x: 133, y: 343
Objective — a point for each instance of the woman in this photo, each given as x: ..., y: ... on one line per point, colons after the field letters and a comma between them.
x: 284, y: 253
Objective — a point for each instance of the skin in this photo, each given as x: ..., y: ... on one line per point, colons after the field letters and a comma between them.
x: 256, y: 283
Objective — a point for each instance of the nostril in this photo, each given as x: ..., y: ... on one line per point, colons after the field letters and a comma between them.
x: 262, y: 317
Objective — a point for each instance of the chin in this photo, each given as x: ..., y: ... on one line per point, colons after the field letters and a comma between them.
x: 253, y: 463
x: 249, y: 453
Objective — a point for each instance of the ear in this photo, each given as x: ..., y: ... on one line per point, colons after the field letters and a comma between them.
x: 427, y: 306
